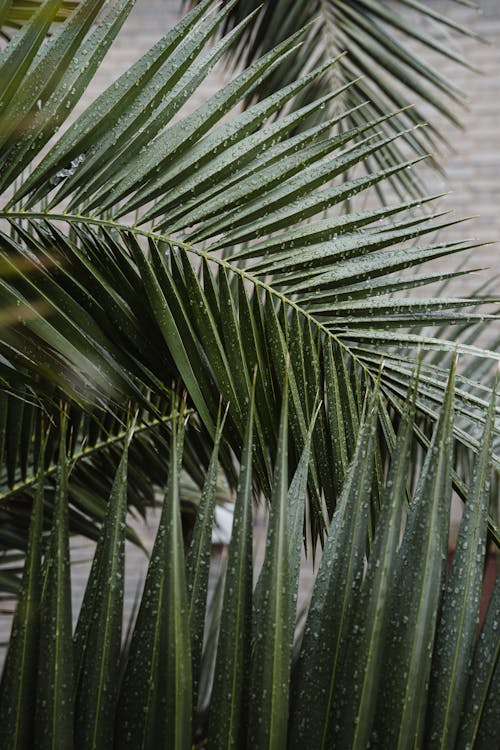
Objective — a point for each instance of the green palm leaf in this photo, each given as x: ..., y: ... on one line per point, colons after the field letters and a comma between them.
x: 274, y: 615
x: 198, y: 563
x: 455, y: 638
x: 234, y: 280
x: 15, y: 13
x: 228, y: 718
x: 106, y: 322
x: 98, y: 632
x: 371, y: 613
x: 18, y: 688
x: 394, y: 54
x: 381, y: 591
x: 54, y: 696
x: 417, y: 587
x: 155, y: 699
x: 479, y: 719
x: 338, y: 580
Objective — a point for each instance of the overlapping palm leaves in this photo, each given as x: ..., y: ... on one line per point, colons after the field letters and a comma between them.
x: 385, y: 654
x: 228, y: 264
x: 394, y: 55
x: 15, y: 13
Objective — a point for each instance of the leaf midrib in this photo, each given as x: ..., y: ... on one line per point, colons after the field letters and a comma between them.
x: 85, y: 453
x: 158, y: 236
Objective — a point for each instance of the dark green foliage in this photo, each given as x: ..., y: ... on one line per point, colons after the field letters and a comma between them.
x: 54, y: 712
x: 372, y: 662
x: 108, y: 325
x: 154, y: 707
x: 391, y: 54
x: 244, y: 278
x: 18, y: 686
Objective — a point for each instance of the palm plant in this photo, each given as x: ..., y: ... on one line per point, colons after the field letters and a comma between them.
x: 389, y: 664
x: 390, y: 53
x: 148, y: 250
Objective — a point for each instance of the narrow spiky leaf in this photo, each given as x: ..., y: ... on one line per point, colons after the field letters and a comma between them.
x: 54, y: 703
x: 274, y: 620
x: 316, y: 688
x: 198, y: 562
x: 365, y: 655
x: 168, y: 326
x: 460, y: 608
x: 99, y: 630
x: 18, y: 686
x: 228, y: 718
x: 480, y: 721
x: 417, y: 590
x: 154, y: 707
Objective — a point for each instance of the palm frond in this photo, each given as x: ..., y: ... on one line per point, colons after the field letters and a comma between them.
x: 391, y: 53
x: 228, y: 264
x: 387, y: 612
